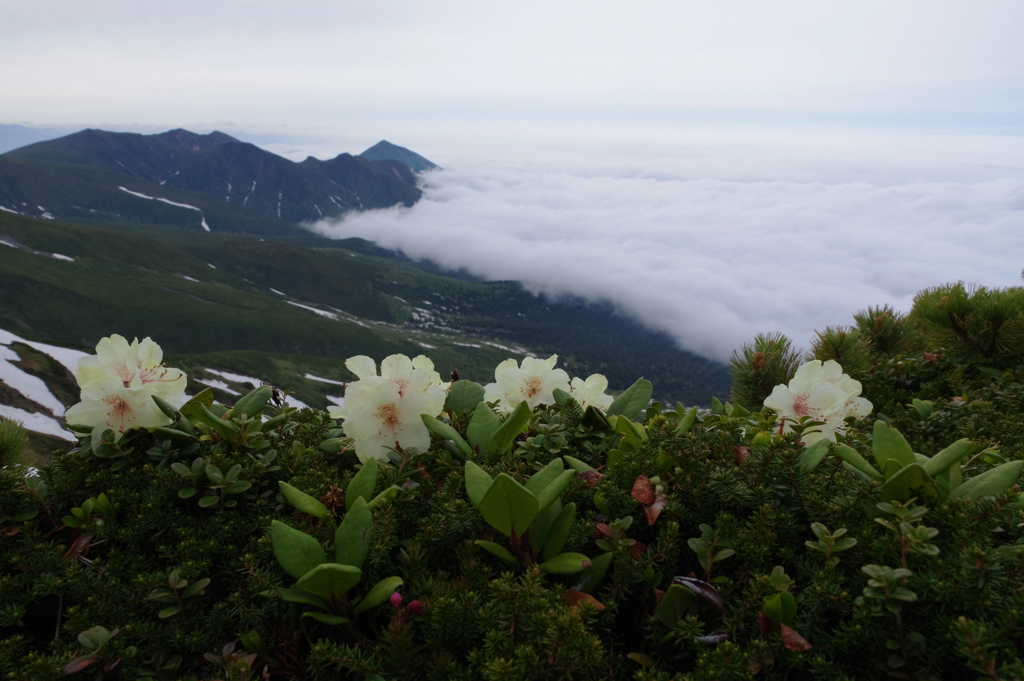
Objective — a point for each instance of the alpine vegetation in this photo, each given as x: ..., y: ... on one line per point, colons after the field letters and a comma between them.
x: 823, y: 526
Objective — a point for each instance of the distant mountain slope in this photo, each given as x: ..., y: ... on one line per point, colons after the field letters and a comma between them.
x: 14, y: 136
x: 386, y: 151
x: 227, y: 185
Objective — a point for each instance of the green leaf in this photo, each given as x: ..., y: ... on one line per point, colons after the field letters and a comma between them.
x: 950, y: 456
x: 296, y: 551
x: 555, y: 489
x: 542, y: 523
x: 545, y: 476
x: 506, y: 433
x: 811, y: 456
x: 354, y: 535
x: 482, y: 426
x: 446, y: 432
x: 330, y: 580
x: 566, y: 564
x: 389, y: 493
x: 633, y: 399
x: 203, y: 397
x: 296, y: 596
x: 362, y: 484
x: 909, y: 481
x: 463, y: 396
x: 169, y: 612
x: 210, y: 500
x: 561, y: 397
x: 687, y: 421
x: 508, y: 507
x: 253, y: 402
x: 325, y: 618
x: 559, y: 531
x: 380, y: 593
x: 592, y: 577
x: 238, y: 487
x: 477, y: 483
x: 577, y: 465
x: 195, y: 587
x: 989, y: 483
x: 855, y: 460
x: 497, y: 550
x: 677, y: 603
x: 781, y: 607
x: 95, y: 637
x: 303, y: 501
x: 214, y: 474
x: 889, y: 443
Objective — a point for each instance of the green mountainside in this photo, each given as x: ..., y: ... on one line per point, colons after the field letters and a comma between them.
x: 213, y: 182
x: 279, y: 309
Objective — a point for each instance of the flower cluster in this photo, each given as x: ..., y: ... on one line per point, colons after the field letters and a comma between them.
x: 118, y: 384
x: 821, y: 392
x: 535, y: 382
x: 383, y: 412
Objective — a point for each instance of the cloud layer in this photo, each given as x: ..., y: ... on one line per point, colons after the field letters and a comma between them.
x: 715, y: 239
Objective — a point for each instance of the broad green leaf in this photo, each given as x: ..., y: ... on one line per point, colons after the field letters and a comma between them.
x: 909, y: 481
x: 169, y: 612
x: 208, y: 501
x: 852, y: 457
x: 214, y: 474
x: 444, y: 431
x: 482, y: 426
x: 559, y: 531
x: 463, y: 396
x: 354, y: 535
x: 677, y: 603
x: 989, y: 483
x: 303, y: 501
x: 633, y: 433
x: 330, y: 580
x: 633, y: 399
x: 326, y: 618
x: 508, y: 507
x: 545, y: 476
x: 389, y: 493
x: 811, y: 456
x: 781, y: 607
x: 195, y: 587
x: 362, y: 484
x: 889, y: 443
x: 566, y: 564
x: 555, y: 489
x: 591, y: 579
x: 561, y: 397
x: 497, y: 550
x: 477, y: 483
x: 950, y: 456
x: 577, y: 465
x: 542, y: 523
x: 203, y: 397
x: 686, y: 422
x: 512, y: 426
x: 297, y: 596
x: 95, y: 637
x: 296, y: 551
x: 380, y: 593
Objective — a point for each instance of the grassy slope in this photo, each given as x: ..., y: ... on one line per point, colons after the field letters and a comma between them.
x: 131, y: 281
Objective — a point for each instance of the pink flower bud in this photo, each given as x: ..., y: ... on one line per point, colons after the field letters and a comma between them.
x: 415, y: 607
x: 396, y: 600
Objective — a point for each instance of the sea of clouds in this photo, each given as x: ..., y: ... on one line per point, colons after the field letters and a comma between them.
x: 715, y: 234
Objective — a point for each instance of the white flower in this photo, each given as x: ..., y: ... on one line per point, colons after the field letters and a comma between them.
x: 410, y: 374
x: 533, y: 383
x: 135, y: 365
x: 383, y: 412
x: 591, y: 392
x: 107, y: 403
x: 823, y: 393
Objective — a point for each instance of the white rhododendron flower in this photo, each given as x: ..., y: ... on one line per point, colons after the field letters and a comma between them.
x: 135, y: 365
x: 383, y: 412
x: 591, y: 392
x: 821, y: 392
x: 534, y: 382
x: 107, y: 403
x: 118, y: 384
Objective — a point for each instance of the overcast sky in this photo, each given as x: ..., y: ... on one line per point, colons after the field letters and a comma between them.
x: 715, y: 169
x: 319, y: 61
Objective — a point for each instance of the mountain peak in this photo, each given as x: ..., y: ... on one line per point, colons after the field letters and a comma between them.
x: 386, y: 151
